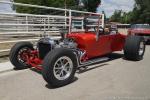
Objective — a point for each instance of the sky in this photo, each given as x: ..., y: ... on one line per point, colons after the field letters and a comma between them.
x: 5, y: 7
x: 109, y: 6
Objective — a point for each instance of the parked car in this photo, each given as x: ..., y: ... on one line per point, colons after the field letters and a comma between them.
x: 58, y: 60
x: 140, y: 30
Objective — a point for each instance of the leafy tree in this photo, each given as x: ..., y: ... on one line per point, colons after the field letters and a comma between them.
x: 50, y: 3
x: 140, y: 13
x: 89, y: 5
x: 116, y: 17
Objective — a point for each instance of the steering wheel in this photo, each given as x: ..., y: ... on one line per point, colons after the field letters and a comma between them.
x: 101, y: 30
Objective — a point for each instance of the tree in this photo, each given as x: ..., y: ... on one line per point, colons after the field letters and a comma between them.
x: 50, y: 3
x: 89, y: 5
x: 140, y: 13
x: 116, y: 17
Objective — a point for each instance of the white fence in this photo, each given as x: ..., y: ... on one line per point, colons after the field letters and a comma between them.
x: 16, y: 22
x: 20, y: 24
x: 56, y: 19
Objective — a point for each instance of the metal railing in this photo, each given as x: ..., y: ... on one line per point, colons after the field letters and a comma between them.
x: 16, y: 22
x: 20, y: 24
x: 45, y: 21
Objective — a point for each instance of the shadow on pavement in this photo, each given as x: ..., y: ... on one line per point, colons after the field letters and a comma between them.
x: 50, y: 87
x: 35, y: 70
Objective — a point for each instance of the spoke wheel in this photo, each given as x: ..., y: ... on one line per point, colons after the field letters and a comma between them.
x: 23, y: 55
x: 63, y: 68
x: 19, y: 55
x: 59, y: 67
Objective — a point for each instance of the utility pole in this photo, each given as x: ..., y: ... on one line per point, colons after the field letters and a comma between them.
x: 65, y: 4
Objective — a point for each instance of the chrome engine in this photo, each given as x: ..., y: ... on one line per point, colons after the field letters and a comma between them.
x: 67, y: 43
x: 45, y: 45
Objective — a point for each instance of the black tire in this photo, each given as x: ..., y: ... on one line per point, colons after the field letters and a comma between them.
x: 13, y: 56
x: 48, y: 66
x: 132, y: 47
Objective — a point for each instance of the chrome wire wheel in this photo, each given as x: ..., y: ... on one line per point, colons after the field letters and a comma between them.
x: 141, y: 49
x: 63, y: 68
x: 22, y: 55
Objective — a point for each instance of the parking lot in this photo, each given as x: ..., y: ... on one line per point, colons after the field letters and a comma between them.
x: 117, y: 79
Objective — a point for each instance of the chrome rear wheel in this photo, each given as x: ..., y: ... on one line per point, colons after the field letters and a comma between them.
x: 141, y: 49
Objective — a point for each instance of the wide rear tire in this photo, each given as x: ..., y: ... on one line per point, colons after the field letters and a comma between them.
x: 15, y: 57
x: 56, y: 71
x: 134, y: 48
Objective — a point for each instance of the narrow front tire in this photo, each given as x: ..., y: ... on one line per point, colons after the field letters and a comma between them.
x: 18, y: 54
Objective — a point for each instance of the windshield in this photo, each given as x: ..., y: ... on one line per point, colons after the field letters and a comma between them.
x: 87, y: 23
x: 91, y: 23
x: 141, y: 26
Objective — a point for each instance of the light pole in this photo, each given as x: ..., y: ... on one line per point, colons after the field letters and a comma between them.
x: 65, y: 4
x: 65, y: 13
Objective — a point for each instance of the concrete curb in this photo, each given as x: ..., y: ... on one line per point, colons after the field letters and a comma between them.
x: 6, y: 66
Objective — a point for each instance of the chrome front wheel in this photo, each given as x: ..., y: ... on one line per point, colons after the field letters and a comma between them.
x: 59, y: 67
x: 63, y: 68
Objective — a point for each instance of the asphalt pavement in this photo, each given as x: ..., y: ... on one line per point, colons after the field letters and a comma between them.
x: 117, y: 79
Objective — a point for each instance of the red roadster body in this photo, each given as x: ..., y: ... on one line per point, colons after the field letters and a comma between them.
x: 105, y: 44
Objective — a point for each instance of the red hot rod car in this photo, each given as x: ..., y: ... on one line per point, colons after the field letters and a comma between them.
x: 140, y: 30
x: 59, y: 59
